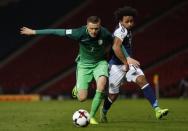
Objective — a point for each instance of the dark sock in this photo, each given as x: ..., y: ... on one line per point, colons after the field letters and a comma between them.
x: 150, y: 95
x: 107, y: 104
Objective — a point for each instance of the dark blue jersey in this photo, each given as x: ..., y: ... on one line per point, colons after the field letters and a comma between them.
x: 126, y: 37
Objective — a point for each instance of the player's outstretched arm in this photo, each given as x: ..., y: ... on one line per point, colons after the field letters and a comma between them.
x: 70, y: 33
x: 27, y: 31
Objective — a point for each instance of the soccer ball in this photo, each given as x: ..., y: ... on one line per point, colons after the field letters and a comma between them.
x: 81, y: 118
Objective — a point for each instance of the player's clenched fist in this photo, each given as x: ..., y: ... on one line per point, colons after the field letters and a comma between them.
x: 27, y: 31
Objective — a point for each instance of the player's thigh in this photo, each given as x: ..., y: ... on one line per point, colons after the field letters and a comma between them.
x: 101, y: 69
x: 100, y: 74
x: 116, y: 76
x: 83, y: 77
x: 133, y: 73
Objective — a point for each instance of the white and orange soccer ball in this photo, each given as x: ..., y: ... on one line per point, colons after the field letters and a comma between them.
x: 81, y: 118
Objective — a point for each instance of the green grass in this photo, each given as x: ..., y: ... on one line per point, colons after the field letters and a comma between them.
x: 125, y: 115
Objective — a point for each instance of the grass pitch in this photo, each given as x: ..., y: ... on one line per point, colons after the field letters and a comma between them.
x: 125, y: 115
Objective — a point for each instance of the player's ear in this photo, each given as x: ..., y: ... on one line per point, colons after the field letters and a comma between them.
x: 87, y: 26
x: 121, y: 21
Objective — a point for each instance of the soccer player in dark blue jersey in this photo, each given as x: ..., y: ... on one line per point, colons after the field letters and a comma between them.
x: 118, y: 65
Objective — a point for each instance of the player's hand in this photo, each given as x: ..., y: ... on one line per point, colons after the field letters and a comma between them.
x: 133, y: 62
x: 27, y: 31
x: 126, y: 66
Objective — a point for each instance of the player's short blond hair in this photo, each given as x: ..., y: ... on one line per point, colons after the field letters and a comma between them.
x: 93, y: 19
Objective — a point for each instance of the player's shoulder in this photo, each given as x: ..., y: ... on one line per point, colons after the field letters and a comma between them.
x: 81, y: 30
x: 120, y: 30
x: 105, y: 30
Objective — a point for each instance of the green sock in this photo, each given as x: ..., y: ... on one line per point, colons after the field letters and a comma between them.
x: 96, y: 103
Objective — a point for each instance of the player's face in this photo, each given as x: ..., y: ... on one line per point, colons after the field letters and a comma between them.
x: 93, y: 28
x: 127, y: 22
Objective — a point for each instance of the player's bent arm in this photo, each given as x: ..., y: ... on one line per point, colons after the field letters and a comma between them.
x: 117, y: 48
x: 129, y: 59
x: 124, y: 51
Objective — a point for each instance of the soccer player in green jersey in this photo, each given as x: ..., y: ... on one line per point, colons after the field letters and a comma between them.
x: 91, y: 62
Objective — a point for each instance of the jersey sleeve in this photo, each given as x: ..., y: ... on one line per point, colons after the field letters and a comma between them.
x: 71, y: 33
x: 120, y: 33
x: 60, y: 32
x: 74, y: 33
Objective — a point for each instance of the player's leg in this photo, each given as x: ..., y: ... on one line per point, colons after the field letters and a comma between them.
x: 100, y: 74
x: 109, y: 100
x: 147, y: 90
x: 150, y: 95
x: 83, y: 77
x: 117, y: 73
x: 101, y: 82
x: 136, y: 75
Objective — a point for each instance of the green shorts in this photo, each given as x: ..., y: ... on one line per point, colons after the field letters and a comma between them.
x: 86, y: 72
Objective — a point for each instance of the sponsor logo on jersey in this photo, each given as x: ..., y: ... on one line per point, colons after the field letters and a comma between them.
x: 122, y: 30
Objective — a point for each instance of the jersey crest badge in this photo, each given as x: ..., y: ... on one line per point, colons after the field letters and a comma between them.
x: 122, y: 30
x: 100, y: 42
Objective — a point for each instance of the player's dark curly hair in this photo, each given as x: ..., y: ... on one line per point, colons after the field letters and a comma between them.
x: 125, y: 11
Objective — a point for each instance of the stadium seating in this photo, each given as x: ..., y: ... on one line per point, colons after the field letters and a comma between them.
x: 163, y: 37
x: 61, y: 87
x: 172, y: 70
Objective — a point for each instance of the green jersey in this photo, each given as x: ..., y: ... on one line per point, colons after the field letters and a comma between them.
x: 91, y: 49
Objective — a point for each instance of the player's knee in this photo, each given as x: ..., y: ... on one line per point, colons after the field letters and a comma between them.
x: 113, y: 97
x: 82, y: 98
x: 141, y: 80
x: 82, y: 95
x: 101, y: 88
x: 101, y: 83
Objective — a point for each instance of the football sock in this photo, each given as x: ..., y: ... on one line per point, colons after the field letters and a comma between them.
x: 150, y: 95
x: 107, y: 104
x: 96, y: 103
